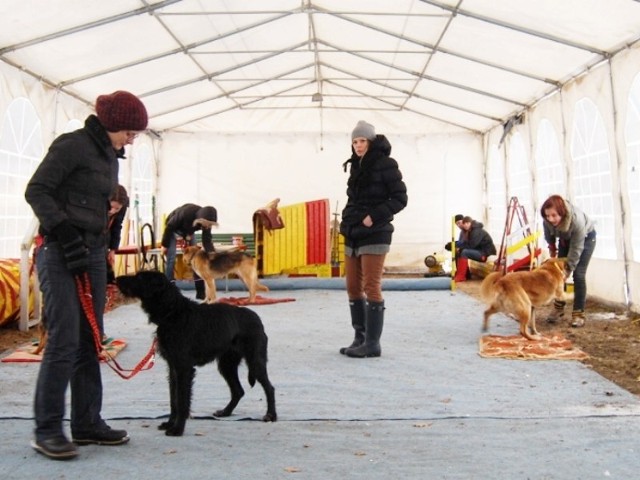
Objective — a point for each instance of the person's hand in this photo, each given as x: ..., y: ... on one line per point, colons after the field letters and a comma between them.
x: 76, y: 253
x: 367, y: 222
x: 111, y: 256
x: 553, y: 251
x: 163, y: 250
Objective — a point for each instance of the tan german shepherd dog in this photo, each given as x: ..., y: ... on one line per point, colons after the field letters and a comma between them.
x: 219, y: 264
x: 518, y: 294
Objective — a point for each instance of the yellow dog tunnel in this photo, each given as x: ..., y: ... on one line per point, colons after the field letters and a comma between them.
x: 305, y: 239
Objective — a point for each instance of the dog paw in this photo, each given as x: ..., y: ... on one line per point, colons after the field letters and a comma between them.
x: 174, y: 432
x: 270, y: 417
x: 221, y: 413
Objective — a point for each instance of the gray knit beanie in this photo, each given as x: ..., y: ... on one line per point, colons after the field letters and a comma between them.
x: 364, y: 130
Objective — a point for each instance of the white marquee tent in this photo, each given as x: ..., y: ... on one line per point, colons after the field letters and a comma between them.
x: 250, y: 100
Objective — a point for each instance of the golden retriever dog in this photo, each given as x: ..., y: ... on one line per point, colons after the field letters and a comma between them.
x: 517, y: 294
x: 219, y: 264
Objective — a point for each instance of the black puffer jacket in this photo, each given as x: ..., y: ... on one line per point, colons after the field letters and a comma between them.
x: 74, y: 181
x: 374, y: 188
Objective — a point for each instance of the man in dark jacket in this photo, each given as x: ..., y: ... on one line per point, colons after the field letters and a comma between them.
x: 69, y: 193
x: 184, y: 222
x: 376, y: 192
x: 475, y: 244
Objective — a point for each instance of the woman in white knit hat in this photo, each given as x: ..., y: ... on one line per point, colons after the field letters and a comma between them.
x: 376, y: 192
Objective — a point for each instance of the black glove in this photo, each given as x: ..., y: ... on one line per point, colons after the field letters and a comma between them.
x: 447, y: 246
x: 75, y: 251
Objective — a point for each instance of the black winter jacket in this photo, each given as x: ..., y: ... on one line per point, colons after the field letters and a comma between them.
x: 180, y: 222
x: 375, y: 187
x: 115, y: 229
x: 74, y: 181
x: 477, y: 238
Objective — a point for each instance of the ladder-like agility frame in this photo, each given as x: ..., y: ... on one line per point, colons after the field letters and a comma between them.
x: 514, y: 240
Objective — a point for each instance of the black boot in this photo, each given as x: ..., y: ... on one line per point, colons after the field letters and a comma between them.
x: 358, y: 314
x: 200, y: 289
x: 373, y: 330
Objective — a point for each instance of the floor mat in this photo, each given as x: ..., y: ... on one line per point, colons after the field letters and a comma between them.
x: 23, y: 354
x: 551, y: 347
x: 259, y: 300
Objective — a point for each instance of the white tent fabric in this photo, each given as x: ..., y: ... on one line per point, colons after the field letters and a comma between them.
x: 230, y: 89
x: 414, y: 65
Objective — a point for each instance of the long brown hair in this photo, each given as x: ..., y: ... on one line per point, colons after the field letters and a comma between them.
x: 120, y: 195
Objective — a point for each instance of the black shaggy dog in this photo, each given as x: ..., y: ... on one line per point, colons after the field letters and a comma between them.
x: 192, y: 334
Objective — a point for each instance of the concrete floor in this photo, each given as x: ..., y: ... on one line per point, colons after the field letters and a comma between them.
x: 429, y: 408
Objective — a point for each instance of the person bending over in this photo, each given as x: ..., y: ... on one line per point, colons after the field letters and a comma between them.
x: 184, y: 222
x: 570, y: 233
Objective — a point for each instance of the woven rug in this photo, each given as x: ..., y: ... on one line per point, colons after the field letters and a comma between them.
x: 552, y: 347
x: 243, y: 301
x: 23, y: 354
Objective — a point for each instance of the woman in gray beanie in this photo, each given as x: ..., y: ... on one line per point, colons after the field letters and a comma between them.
x: 376, y: 192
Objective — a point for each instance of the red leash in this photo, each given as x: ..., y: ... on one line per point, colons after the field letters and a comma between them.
x: 83, y: 286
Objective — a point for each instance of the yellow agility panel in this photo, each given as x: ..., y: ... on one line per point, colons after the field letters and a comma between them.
x: 286, y: 248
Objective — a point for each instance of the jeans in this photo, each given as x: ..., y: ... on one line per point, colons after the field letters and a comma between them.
x: 171, y: 262
x: 476, y: 255
x: 70, y: 357
x: 580, y: 273
x: 171, y: 256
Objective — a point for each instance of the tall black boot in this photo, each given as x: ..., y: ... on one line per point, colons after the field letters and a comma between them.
x: 200, y: 289
x: 358, y: 315
x: 373, y: 330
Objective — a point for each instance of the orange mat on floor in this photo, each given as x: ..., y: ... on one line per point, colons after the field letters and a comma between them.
x: 243, y: 301
x: 23, y: 354
x: 551, y: 347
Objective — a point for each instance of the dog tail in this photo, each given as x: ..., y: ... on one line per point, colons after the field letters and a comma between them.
x: 256, y: 359
x: 487, y: 288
